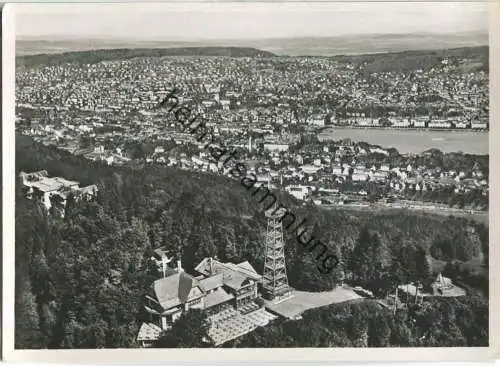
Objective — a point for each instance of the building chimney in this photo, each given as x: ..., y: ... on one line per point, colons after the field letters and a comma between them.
x: 165, y: 260
x: 179, y: 266
x: 164, y: 266
x: 211, y: 263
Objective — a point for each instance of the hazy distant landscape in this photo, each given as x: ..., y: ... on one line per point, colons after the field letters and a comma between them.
x: 319, y: 46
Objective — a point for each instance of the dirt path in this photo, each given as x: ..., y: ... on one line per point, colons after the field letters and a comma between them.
x: 302, y: 301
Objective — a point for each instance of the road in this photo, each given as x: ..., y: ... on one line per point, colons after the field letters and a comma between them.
x: 480, y: 216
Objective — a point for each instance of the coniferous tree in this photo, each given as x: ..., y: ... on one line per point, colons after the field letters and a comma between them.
x: 189, y: 331
x: 71, y: 332
x: 423, y: 267
x: 379, y: 332
x: 27, y: 327
x: 361, y: 257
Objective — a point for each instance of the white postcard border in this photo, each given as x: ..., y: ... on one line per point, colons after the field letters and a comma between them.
x: 259, y: 354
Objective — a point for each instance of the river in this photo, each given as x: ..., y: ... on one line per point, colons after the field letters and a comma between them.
x: 414, y: 141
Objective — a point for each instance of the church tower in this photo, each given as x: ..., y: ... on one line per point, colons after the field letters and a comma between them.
x: 275, y: 280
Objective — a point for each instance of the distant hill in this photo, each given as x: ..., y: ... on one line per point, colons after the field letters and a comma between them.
x: 478, y: 59
x: 298, y: 46
x: 128, y: 53
x: 373, y: 43
x: 373, y: 62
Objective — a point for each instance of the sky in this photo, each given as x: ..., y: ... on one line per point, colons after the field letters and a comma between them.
x: 242, y: 20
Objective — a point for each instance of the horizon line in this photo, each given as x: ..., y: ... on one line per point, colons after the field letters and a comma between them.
x: 62, y: 37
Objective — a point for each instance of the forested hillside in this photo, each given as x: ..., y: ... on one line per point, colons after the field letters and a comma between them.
x: 441, y: 322
x: 95, y: 56
x: 413, y: 60
x: 80, y: 279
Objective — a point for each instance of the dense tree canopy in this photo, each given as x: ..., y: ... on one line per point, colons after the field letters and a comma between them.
x: 189, y: 331
x: 80, y: 278
x: 442, y: 322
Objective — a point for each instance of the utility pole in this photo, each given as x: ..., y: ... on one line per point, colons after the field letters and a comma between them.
x: 396, y: 300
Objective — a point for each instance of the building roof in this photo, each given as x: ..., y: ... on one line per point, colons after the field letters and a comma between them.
x: 217, y: 297
x: 204, y: 266
x: 149, y: 332
x: 42, y: 182
x: 47, y: 185
x: 64, y: 192
x: 211, y: 283
x: 39, y: 174
x: 159, y: 252
x: 65, y: 182
x: 234, y: 280
x: 89, y: 189
x: 174, y: 290
x: 443, y: 281
x: 248, y: 269
x: 233, y: 275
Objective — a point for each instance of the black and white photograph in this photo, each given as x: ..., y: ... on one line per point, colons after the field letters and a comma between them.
x: 251, y: 175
